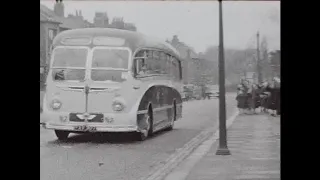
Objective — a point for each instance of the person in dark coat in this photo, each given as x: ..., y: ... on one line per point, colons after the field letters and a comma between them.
x: 277, y: 91
x: 274, y: 99
x: 264, y: 96
x: 242, y: 102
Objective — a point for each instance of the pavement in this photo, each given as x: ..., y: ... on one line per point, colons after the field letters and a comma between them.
x: 254, y: 143
x: 119, y: 157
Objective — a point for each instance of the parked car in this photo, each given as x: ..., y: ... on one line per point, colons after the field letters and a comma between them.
x: 213, y: 91
x: 187, y: 92
x: 197, y: 93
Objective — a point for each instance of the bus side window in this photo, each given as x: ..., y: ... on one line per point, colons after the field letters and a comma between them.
x: 163, y: 63
x: 173, y: 68
x: 141, y: 53
x: 152, y: 62
x: 176, y: 70
x: 156, y: 62
x: 168, y: 64
x: 140, y: 62
x: 149, y: 61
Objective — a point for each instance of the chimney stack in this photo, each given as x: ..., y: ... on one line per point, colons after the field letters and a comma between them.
x: 59, y: 8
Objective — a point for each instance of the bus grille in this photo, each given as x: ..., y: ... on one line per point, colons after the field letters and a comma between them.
x: 74, y: 118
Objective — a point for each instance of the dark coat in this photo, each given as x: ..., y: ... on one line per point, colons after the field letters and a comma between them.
x: 242, y: 98
x: 274, y: 99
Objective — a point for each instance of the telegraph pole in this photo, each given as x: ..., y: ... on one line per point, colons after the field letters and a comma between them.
x: 223, y: 148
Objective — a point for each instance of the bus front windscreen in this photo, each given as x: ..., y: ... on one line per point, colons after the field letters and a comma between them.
x: 109, y: 64
x: 69, y: 64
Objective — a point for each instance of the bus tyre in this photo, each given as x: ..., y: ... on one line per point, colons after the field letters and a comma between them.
x: 147, y: 131
x: 62, y: 135
x: 172, y: 117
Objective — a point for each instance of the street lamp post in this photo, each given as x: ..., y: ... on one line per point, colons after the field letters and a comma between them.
x: 223, y: 148
x: 258, y: 59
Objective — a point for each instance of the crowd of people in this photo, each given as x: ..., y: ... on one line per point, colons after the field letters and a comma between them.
x: 252, y: 96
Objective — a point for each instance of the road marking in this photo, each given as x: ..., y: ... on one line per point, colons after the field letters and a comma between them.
x: 161, y: 171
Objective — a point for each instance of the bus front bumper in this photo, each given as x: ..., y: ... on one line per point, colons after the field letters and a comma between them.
x: 90, y: 127
x: 121, y: 123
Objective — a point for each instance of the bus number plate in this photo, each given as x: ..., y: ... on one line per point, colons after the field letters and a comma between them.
x: 85, y: 128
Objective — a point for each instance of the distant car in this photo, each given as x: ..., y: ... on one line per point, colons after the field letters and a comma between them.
x: 213, y: 91
x: 210, y: 94
x: 188, y: 92
x: 214, y: 94
x: 197, y: 93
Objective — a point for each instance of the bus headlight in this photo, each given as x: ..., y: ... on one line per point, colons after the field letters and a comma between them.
x: 118, y: 104
x: 56, y: 104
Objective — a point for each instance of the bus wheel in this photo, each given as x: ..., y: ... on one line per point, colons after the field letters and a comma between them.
x: 172, y: 118
x: 148, y: 128
x: 62, y: 135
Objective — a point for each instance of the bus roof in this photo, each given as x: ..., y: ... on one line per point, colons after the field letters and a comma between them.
x: 133, y: 40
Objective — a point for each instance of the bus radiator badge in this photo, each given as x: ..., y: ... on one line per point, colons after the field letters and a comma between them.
x: 86, y: 116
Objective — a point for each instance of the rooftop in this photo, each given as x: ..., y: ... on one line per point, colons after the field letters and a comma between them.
x: 73, y: 22
x: 47, y: 15
x: 70, y: 22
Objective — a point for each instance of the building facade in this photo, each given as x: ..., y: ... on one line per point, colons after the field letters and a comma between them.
x: 49, y: 28
x: 189, y: 68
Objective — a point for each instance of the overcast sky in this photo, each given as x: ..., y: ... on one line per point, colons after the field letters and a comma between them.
x: 195, y: 23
